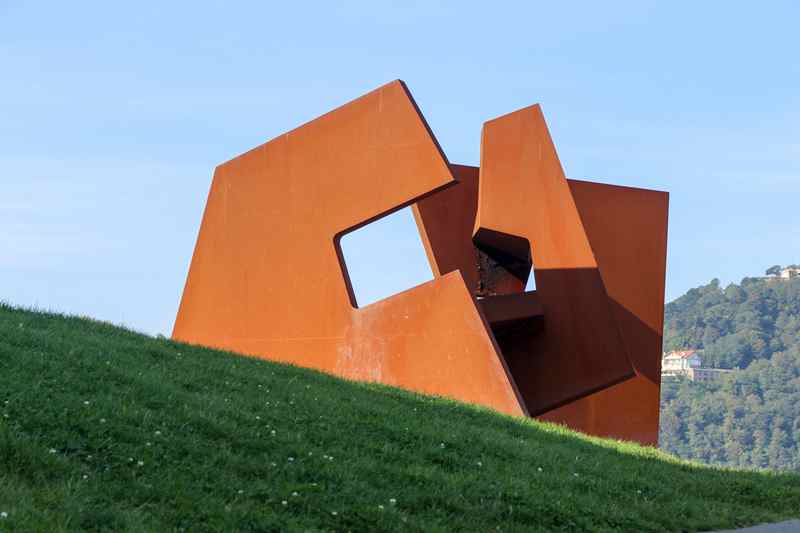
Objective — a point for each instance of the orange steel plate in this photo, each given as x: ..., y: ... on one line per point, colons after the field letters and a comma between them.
x: 523, y: 193
x: 627, y: 228
x: 267, y: 278
x: 445, y: 221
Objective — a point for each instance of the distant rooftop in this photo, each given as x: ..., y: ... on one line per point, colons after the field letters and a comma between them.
x: 683, y: 354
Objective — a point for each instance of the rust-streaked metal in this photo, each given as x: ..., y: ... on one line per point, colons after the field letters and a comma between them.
x: 445, y: 221
x: 627, y: 228
x: 523, y: 193
x: 268, y: 279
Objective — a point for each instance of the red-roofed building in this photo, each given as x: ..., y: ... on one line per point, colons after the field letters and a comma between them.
x: 680, y: 362
x: 687, y: 363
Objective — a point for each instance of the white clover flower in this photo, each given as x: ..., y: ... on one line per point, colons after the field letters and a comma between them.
x: 284, y: 502
x: 290, y: 459
x: 86, y: 402
x: 52, y: 450
x: 380, y: 507
x: 334, y: 513
x: 3, y: 514
x: 294, y: 494
x: 392, y: 501
x: 480, y: 463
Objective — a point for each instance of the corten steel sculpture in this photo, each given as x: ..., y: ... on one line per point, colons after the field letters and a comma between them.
x: 268, y: 279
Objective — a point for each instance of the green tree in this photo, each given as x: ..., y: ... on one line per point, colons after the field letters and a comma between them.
x: 773, y: 270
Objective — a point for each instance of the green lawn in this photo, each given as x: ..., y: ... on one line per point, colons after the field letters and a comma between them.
x: 105, y: 429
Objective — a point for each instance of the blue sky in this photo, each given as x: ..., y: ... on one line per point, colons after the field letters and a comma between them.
x: 113, y: 117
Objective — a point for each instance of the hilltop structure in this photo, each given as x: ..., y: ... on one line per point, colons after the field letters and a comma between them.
x: 268, y: 279
x: 783, y: 273
x: 789, y: 272
x: 688, y: 363
x: 680, y: 361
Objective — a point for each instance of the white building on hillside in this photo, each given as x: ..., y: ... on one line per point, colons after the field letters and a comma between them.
x: 688, y: 363
x: 680, y: 362
x: 789, y: 273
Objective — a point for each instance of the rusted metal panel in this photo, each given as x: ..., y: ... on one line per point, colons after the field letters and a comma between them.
x: 627, y: 228
x: 628, y: 410
x: 267, y: 278
x: 626, y: 232
x: 510, y: 309
x: 523, y: 193
x: 445, y: 221
x: 432, y: 339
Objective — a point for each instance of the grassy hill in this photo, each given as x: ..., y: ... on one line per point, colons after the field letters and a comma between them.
x: 103, y: 428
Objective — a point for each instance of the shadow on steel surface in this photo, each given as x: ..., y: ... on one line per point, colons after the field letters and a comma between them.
x: 628, y: 410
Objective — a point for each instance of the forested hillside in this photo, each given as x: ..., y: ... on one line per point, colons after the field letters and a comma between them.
x: 750, y: 417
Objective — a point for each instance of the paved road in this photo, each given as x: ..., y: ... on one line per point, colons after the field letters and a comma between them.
x: 792, y: 526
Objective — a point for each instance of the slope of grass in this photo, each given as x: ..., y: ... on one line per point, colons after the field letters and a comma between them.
x: 105, y: 429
